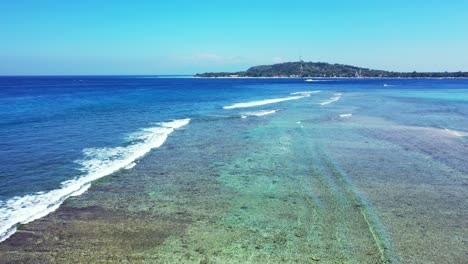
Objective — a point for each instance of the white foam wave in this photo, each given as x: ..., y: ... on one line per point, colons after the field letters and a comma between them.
x: 97, y: 163
x: 455, y: 133
x: 335, y: 98
x: 268, y: 101
x: 130, y: 166
x: 346, y: 115
x: 305, y: 93
x: 259, y: 113
x: 315, y: 80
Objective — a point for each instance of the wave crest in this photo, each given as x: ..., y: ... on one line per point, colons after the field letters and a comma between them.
x: 297, y: 95
x: 97, y: 163
x: 259, y: 113
x: 336, y: 97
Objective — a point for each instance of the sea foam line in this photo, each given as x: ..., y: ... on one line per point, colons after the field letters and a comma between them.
x: 305, y: 93
x: 297, y: 95
x: 97, y: 163
x: 259, y: 113
x: 335, y: 98
x: 454, y: 133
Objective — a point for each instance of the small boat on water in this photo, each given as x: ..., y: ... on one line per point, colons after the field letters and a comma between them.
x: 309, y: 80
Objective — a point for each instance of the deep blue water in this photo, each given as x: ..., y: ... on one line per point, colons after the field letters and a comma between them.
x: 56, y: 129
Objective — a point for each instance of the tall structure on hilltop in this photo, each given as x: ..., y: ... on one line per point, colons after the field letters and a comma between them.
x: 302, y: 67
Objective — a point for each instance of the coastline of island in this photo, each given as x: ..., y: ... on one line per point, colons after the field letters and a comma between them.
x: 303, y: 69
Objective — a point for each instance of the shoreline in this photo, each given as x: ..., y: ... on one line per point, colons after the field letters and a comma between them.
x: 345, y: 78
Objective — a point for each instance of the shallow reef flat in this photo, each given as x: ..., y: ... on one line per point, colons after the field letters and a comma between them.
x: 255, y: 194
x: 303, y: 185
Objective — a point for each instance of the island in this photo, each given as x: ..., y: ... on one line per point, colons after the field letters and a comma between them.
x: 301, y: 69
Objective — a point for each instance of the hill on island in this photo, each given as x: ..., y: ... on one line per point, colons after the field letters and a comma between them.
x: 322, y: 69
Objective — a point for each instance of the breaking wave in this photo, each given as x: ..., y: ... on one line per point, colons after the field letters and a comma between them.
x: 296, y: 95
x: 335, y: 98
x: 97, y: 163
x: 259, y: 113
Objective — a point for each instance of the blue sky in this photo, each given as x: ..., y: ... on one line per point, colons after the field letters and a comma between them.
x: 185, y: 37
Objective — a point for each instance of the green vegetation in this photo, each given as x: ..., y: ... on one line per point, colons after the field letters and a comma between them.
x: 322, y: 69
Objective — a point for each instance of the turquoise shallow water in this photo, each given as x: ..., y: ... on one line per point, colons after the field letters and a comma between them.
x: 363, y: 171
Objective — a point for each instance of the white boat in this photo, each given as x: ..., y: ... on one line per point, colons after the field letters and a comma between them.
x: 309, y: 80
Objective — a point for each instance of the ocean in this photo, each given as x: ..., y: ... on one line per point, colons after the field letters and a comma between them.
x: 353, y: 170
